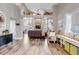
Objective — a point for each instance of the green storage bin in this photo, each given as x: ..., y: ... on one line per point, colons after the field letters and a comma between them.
x: 74, y: 50
x: 66, y: 47
x: 77, y: 50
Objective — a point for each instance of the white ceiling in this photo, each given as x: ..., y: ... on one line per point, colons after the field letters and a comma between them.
x: 40, y: 7
x: 37, y: 7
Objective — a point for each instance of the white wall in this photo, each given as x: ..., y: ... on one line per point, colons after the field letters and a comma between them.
x: 75, y: 19
x: 66, y: 8
x: 75, y: 23
x: 11, y: 11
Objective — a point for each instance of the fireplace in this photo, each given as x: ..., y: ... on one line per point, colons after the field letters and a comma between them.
x: 38, y: 27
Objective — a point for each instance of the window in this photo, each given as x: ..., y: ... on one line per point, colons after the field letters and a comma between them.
x: 68, y: 23
x: 27, y: 23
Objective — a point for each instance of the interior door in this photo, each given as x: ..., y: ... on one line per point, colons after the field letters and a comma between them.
x: 13, y: 28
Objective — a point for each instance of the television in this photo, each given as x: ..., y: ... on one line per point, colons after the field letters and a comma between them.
x: 17, y: 24
x: 38, y: 27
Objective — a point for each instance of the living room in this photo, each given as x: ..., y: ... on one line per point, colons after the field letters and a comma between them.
x: 39, y: 29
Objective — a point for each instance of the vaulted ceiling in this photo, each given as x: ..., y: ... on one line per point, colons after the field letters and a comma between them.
x: 38, y: 8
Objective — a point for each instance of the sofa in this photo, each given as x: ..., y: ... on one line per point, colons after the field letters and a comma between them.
x: 35, y: 34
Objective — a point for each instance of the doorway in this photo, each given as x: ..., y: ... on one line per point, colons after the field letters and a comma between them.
x: 13, y: 28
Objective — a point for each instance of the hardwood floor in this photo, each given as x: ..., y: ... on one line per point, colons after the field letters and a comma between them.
x: 32, y: 47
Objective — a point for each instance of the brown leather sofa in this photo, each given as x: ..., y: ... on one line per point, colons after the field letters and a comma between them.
x: 35, y: 34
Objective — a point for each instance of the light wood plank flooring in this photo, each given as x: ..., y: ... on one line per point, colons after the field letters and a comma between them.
x: 32, y: 47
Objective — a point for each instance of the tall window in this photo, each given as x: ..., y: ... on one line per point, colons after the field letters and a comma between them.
x: 27, y: 23
x: 48, y: 23
x: 68, y: 23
